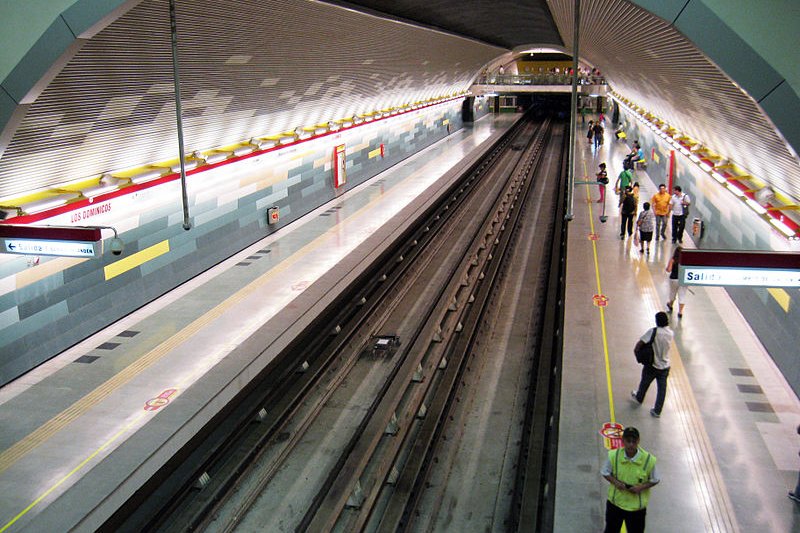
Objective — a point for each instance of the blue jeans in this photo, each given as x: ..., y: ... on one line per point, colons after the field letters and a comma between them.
x: 650, y: 373
x: 661, y: 226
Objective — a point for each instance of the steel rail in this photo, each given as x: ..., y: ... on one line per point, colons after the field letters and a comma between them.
x: 403, y: 499
x: 285, y: 390
x: 429, y: 352
x: 533, y: 500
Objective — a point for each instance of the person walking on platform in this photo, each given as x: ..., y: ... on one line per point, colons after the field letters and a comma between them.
x: 623, y: 182
x: 590, y: 131
x: 598, y: 134
x: 631, y: 471
x: 627, y: 210
x: 677, y: 292
x: 679, y: 207
x: 660, y: 203
x: 602, y: 180
x: 646, y: 223
x: 659, y: 370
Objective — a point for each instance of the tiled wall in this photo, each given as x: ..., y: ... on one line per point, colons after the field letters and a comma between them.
x: 46, y: 307
x: 773, y: 313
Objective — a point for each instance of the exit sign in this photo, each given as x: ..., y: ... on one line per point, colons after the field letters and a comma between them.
x: 42, y: 247
x: 739, y: 268
x: 66, y: 241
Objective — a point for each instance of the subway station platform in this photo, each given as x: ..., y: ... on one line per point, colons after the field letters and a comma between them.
x: 726, y: 441
x: 84, y: 431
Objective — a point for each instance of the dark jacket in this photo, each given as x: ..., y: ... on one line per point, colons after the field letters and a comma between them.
x: 628, y: 204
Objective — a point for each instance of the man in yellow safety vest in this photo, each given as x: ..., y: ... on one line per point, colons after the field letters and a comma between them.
x: 632, y: 472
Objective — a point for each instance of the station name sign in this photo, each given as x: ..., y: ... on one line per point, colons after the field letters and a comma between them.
x: 739, y: 268
x: 65, y: 241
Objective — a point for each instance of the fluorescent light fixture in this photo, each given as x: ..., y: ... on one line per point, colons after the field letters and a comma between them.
x: 755, y: 206
x: 262, y: 144
x: 786, y: 230
x: 187, y: 165
x: 719, y: 177
x: 47, y: 203
x: 663, y: 135
x: 734, y: 189
x: 243, y: 150
x: 694, y: 158
x: 98, y: 190
x: 149, y: 175
x: 705, y: 166
x: 216, y: 158
x: 683, y: 150
x: 543, y: 50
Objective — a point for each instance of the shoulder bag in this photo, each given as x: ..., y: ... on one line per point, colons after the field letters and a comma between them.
x: 645, y: 355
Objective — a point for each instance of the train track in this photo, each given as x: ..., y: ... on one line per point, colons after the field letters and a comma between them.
x: 353, y: 423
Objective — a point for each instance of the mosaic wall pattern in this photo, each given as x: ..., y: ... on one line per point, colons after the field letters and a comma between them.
x: 49, y: 306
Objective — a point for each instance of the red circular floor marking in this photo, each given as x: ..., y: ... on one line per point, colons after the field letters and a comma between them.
x: 154, y: 404
x: 593, y: 236
x: 612, y: 433
x: 599, y: 300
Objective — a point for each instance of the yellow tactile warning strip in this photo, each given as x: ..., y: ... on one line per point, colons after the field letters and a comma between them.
x: 782, y: 297
x: 11, y: 455
x: 134, y: 260
x: 709, y: 487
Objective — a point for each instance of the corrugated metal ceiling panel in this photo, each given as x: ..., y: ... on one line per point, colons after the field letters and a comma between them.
x: 248, y: 67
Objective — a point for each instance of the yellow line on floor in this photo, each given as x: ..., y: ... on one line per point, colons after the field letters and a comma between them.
x: 612, y: 414
x: 83, y: 463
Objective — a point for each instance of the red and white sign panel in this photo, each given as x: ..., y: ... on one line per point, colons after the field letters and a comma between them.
x: 739, y: 268
x: 339, y: 166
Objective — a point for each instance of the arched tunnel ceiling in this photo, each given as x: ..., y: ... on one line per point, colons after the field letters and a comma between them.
x: 663, y: 72
x: 248, y: 67
x: 505, y: 23
x: 258, y: 67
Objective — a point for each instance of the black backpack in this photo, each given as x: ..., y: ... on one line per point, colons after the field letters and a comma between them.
x: 629, y: 204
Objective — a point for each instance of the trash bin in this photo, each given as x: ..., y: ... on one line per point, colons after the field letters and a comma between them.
x: 698, y: 227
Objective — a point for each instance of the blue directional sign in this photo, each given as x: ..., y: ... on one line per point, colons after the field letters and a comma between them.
x: 67, y: 241
x: 42, y: 247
